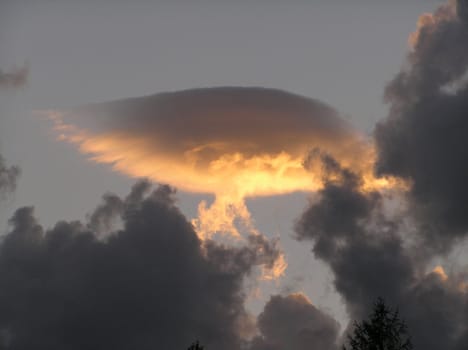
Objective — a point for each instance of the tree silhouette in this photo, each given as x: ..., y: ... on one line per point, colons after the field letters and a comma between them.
x: 196, y: 346
x: 383, y: 331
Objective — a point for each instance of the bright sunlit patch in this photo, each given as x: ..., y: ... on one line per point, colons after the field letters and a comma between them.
x: 457, y: 281
x: 439, y: 271
x: 301, y: 298
x: 276, y: 271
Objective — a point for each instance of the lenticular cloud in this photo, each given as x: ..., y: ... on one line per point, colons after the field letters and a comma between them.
x: 232, y: 142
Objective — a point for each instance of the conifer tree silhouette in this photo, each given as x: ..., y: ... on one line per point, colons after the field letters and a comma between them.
x: 196, y: 346
x: 383, y: 331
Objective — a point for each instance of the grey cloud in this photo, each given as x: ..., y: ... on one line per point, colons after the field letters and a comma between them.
x: 351, y: 234
x: 149, y: 285
x: 462, y: 10
x: 424, y: 139
x: 367, y: 255
x: 100, y: 221
x: 292, y: 322
x: 8, y: 177
x: 436, y: 309
x: 14, y: 79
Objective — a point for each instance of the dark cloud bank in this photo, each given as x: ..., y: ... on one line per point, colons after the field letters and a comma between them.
x: 368, y: 258
x: 292, y: 322
x: 150, y: 285
x: 424, y: 141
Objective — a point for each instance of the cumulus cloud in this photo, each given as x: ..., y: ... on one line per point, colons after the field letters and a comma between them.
x: 369, y: 256
x: 14, y: 79
x: 100, y: 221
x: 373, y: 252
x: 292, y: 322
x: 152, y: 284
x: 423, y: 140
x: 360, y: 244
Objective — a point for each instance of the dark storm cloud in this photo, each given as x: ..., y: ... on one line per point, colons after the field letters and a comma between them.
x: 436, y: 310
x: 14, y: 79
x: 8, y: 177
x: 347, y: 225
x: 366, y: 253
x: 149, y: 285
x: 293, y: 323
x: 424, y: 138
x: 423, y: 141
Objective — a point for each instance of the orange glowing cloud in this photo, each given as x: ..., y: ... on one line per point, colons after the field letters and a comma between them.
x: 458, y: 282
x: 440, y: 272
x: 231, y: 142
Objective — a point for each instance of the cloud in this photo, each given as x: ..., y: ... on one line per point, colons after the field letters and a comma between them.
x: 381, y: 245
x: 8, y: 177
x: 292, y: 322
x: 370, y: 256
x: 351, y: 234
x: 100, y: 221
x: 211, y: 133
x: 14, y: 79
x: 151, y: 284
x: 423, y: 140
x: 233, y: 142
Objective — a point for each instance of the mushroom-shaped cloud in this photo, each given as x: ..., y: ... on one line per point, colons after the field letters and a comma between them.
x: 234, y: 142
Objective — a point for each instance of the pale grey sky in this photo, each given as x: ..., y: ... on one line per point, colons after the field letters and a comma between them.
x: 341, y: 52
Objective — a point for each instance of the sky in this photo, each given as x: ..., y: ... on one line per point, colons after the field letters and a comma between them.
x: 346, y: 80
